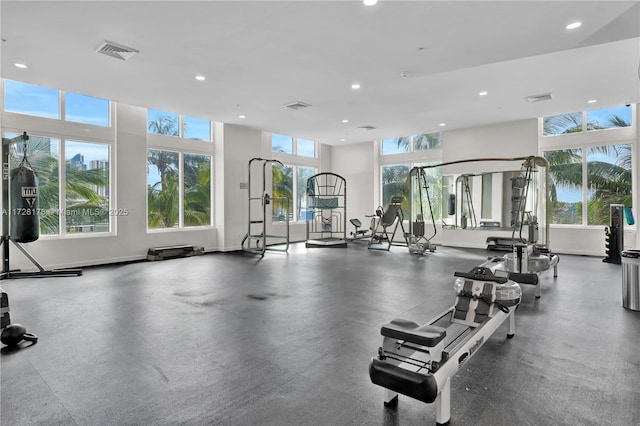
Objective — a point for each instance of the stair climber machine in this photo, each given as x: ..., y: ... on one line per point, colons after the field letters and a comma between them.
x: 419, y: 361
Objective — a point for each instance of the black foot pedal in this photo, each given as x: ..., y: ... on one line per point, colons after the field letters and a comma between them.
x: 464, y: 298
x: 484, y: 303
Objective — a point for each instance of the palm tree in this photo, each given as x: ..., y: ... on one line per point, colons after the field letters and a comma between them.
x: 164, y: 125
x: 282, y: 187
x: 427, y: 141
x: 394, y: 182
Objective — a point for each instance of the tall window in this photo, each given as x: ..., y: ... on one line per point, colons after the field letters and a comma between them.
x: 178, y: 179
x: 302, y: 175
x: 565, y: 167
x: 197, y: 190
x: 162, y: 188
x: 87, y: 187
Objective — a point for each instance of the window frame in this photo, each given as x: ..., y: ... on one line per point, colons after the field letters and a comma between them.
x: 590, y: 139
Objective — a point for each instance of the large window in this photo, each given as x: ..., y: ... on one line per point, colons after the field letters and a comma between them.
x: 162, y: 189
x: 85, y: 192
x: 589, y: 173
x: 87, y: 187
x: 596, y: 176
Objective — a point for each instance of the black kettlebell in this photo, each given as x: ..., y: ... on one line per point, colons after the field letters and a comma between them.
x: 16, y: 333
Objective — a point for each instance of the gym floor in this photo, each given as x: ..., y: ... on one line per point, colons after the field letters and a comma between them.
x: 232, y: 339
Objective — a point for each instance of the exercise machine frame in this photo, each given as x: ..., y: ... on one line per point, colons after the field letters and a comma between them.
x: 392, y: 216
x: 6, y: 238
x: 327, y: 201
x: 529, y: 163
x: 260, y: 239
x: 417, y: 242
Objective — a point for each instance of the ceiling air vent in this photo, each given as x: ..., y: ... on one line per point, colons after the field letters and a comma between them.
x: 367, y: 127
x: 297, y: 105
x: 539, y: 98
x: 116, y: 50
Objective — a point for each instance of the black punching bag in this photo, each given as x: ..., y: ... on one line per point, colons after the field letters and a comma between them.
x: 25, y: 223
x: 451, y: 205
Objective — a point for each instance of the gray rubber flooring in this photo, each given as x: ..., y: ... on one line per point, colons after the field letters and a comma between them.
x: 232, y: 339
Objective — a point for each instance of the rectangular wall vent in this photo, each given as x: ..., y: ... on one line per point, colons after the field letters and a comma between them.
x: 539, y: 98
x: 116, y: 51
x: 297, y: 105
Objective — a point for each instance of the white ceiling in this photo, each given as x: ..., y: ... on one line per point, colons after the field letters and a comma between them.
x: 258, y: 56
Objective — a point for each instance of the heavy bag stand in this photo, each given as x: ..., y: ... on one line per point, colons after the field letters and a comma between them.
x: 6, y: 271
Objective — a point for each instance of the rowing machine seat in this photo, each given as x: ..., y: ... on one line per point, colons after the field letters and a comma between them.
x: 409, y: 331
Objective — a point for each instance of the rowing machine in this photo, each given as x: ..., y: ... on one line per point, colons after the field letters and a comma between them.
x: 419, y: 361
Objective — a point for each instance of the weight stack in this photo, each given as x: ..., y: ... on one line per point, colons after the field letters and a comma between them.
x: 4, y: 309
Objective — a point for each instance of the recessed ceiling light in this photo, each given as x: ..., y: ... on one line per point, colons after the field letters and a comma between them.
x: 355, y: 86
x: 573, y: 25
x: 592, y: 101
x: 442, y: 124
x: 483, y: 93
x: 20, y: 65
x: 200, y: 77
x: 342, y: 139
x: 242, y: 116
x: 345, y: 121
x: 370, y: 2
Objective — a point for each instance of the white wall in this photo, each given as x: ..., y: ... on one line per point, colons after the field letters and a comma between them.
x: 357, y: 164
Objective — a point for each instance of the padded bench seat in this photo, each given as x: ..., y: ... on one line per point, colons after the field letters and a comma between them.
x: 426, y: 335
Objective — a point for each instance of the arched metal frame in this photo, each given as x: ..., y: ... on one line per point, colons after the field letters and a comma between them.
x: 327, y: 210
